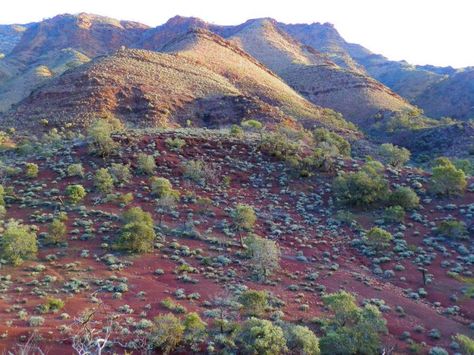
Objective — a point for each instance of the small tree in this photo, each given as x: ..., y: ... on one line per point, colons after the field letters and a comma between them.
x: 103, y: 181
x: 378, y: 238
x: 18, y: 243
x: 394, y: 214
x: 244, y: 218
x: 352, y: 330
x: 75, y: 193
x: 167, y: 333
x: 264, y: 256
x: 31, y: 170
x: 259, y: 336
x: 447, y: 179
x: 137, y: 234
x: 254, y: 303
x: 362, y: 188
x: 100, y: 138
x: 146, y: 164
x: 301, y: 340
x: 56, y: 232
x: 393, y: 155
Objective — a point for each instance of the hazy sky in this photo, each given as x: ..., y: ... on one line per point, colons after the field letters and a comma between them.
x: 435, y: 32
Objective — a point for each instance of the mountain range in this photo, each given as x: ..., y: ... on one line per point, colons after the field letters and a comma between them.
x: 72, y: 68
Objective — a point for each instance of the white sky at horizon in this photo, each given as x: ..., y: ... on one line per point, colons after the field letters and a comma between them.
x: 437, y: 32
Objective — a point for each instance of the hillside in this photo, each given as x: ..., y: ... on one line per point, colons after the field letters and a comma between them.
x: 146, y: 88
x: 450, y: 97
x: 357, y: 96
x: 196, y: 259
x: 10, y: 35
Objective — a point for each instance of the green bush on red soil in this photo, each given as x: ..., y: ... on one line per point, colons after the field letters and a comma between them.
x: 120, y: 173
x: 194, y: 328
x: 352, y: 329
x: 17, y: 243
x: 404, y: 197
x: 466, y: 343
x: 363, y: 188
x: 162, y: 188
x: 146, y: 164
x: 167, y: 333
x: 175, y: 143
x: 103, y: 181
x: 254, y: 303
x: 260, y: 336
x: 236, y: 131
x: 446, y: 179
x: 137, y: 234
x: 31, y: 170
x: 56, y: 232
x: 394, y: 214
x: 52, y: 304
x: 75, y: 170
x: 325, y: 139
x: 75, y: 193
x: 301, y: 340
x: 452, y: 229
x: 264, y: 256
x: 2, y: 195
x: 378, y: 238
x: 393, y: 155
x: 100, y: 138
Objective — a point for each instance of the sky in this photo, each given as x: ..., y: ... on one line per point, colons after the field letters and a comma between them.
x: 438, y: 32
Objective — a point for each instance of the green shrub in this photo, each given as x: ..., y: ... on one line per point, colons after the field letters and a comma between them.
x: 120, y: 173
x: 194, y: 328
x: 301, y: 340
x: 466, y: 343
x: 100, y: 137
x: 452, y: 229
x: 447, y: 179
x: 31, y: 170
x: 378, y: 238
x: 162, y: 187
x: 393, y: 155
x: 146, y: 164
x: 243, y: 219
x: 52, y: 305
x: 137, y: 234
x: 171, y: 305
x: 363, y: 188
x: 75, y: 193
x: 36, y: 321
x: 56, y: 232
x: 331, y: 141
x: 167, y: 333
x: 196, y: 170
x: 103, y: 181
x: 394, y: 214
x: 17, y: 243
x: 404, y: 197
x: 254, y: 303
x: 175, y: 144
x: 236, y: 131
x: 465, y: 165
x: 259, y: 336
x: 75, y: 170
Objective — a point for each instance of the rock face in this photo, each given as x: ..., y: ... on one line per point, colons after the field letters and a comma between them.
x: 450, y: 97
x: 10, y: 35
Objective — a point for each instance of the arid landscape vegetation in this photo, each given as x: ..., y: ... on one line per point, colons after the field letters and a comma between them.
x: 264, y: 188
